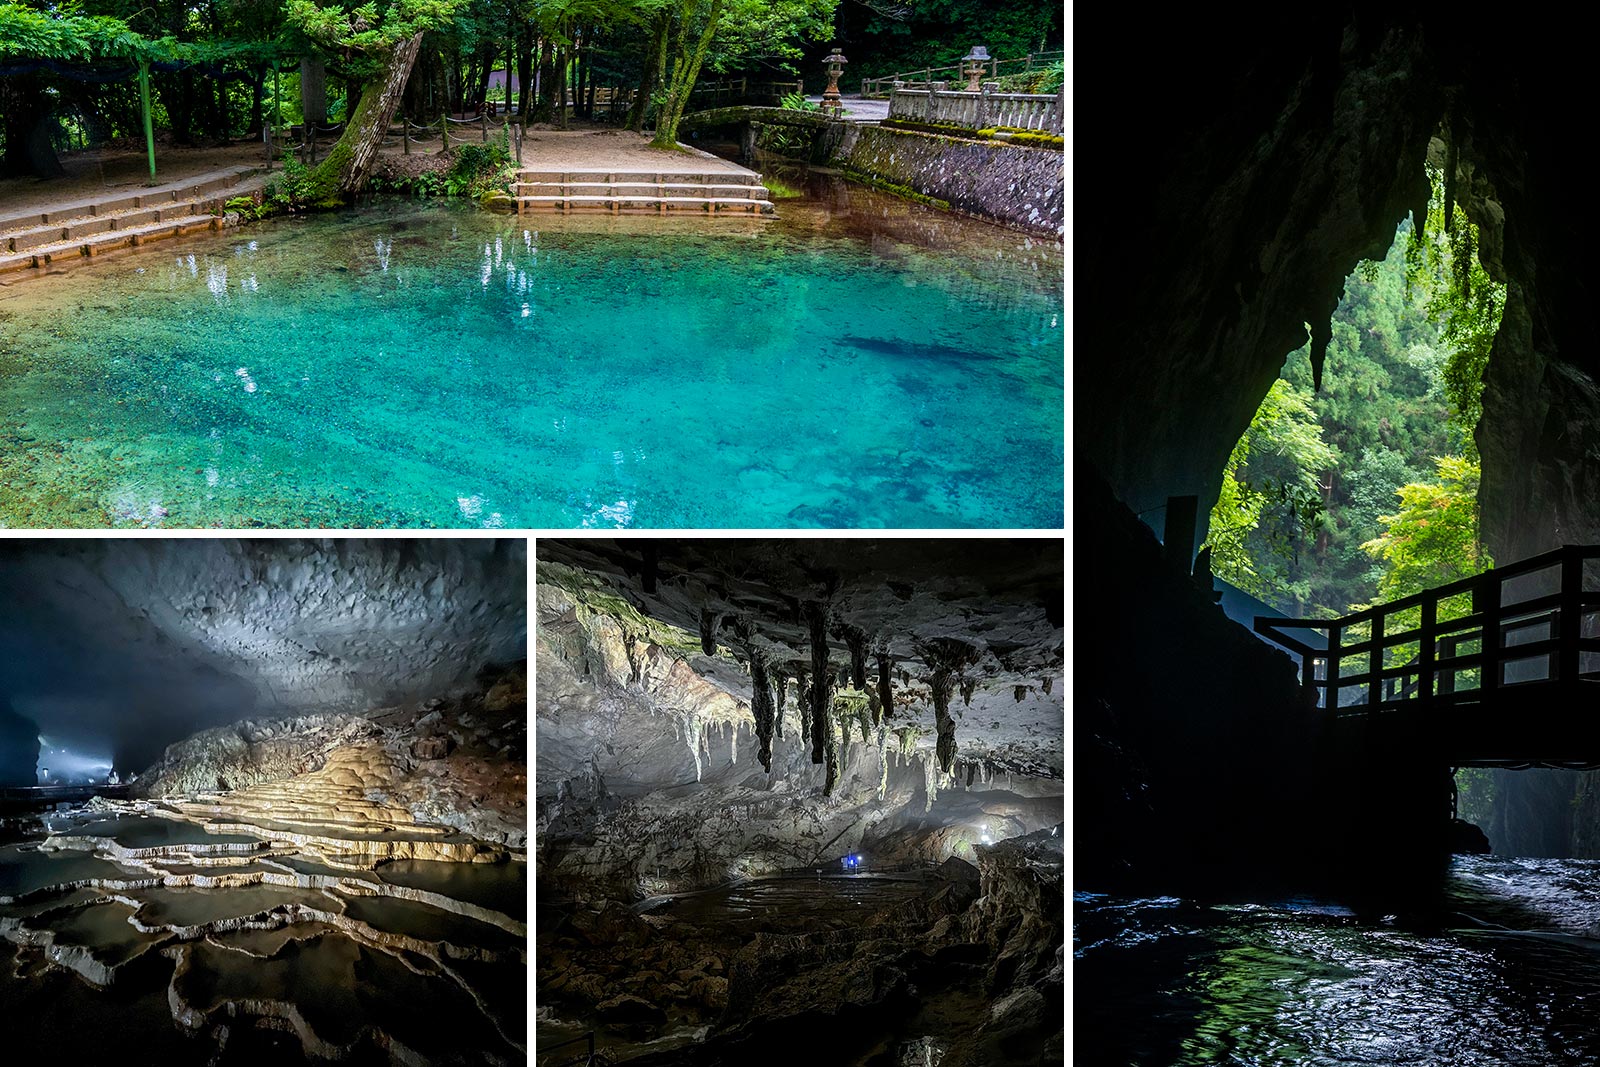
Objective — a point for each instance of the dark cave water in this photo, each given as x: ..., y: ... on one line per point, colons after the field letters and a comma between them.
x: 1508, y: 973
x: 789, y: 903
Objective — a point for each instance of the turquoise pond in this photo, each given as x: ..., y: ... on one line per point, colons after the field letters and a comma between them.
x: 860, y: 362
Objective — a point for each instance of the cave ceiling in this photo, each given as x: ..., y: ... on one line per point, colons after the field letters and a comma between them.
x: 1233, y: 169
x: 136, y: 643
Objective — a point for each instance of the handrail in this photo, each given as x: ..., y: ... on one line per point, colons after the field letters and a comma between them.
x: 876, y: 86
x: 1439, y: 662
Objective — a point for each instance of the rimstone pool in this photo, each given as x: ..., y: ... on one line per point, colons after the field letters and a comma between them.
x: 859, y: 362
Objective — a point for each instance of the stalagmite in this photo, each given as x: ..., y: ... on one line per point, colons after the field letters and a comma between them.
x: 885, y: 687
x: 968, y: 685
x: 822, y: 679
x: 1019, y: 692
x: 1046, y: 683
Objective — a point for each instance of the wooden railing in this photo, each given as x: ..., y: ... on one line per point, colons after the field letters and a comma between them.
x: 742, y: 90
x: 978, y: 111
x: 1532, y: 622
x: 881, y: 87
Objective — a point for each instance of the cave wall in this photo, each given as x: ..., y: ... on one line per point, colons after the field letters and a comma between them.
x: 19, y: 747
x: 1238, y: 173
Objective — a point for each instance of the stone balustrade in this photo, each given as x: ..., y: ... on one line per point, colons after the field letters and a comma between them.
x: 1040, y: 112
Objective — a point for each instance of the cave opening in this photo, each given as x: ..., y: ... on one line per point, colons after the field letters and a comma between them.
x: 1357, y: 477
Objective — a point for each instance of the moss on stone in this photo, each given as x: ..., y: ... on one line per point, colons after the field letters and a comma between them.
x: 903, y: 191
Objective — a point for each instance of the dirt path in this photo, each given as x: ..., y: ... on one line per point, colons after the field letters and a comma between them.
x: 595, y: 149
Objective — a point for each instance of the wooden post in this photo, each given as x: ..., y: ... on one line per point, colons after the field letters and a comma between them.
x: 1487, y: 597
x: 405, y: 134
x: 144, y: 109
x: 511, y: 65
x: 1335, y: 636
x: 1570, y: 620
x: 1425, y: 652
x: 483, y: 123
x: 1375, y: 665
x: 444, y: 129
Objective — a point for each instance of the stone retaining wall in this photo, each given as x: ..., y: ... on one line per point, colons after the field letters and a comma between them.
x: 1010, y: 184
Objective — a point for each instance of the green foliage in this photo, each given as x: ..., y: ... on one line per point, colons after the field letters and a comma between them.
x: 254, y: 206
x: 365, y: 34
x: 294, y: 190
x: 1462, y: 298
x: 477, y: 169
x: 1273, y: 475
x: 1046, y: 79
x: 883, y: 39
x: 1433, y: 538
x: 60, y: 34
x: 797, y: 102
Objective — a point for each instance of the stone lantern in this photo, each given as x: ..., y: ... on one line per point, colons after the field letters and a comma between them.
x: 973, y: 64
x: 830, y: 96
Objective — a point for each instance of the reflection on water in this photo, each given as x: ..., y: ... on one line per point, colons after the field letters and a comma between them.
x: 1510, y: 974
x: 858, y: 362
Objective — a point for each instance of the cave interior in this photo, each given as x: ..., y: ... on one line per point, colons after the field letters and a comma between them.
x: 793, y: 788
x: 264, y: 799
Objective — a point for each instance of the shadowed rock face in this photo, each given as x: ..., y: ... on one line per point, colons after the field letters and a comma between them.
x: 145, y: 642
x: 1289, y: 148
x: 19, y: 747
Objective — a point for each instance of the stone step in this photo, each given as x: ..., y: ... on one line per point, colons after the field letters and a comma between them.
x: 746, y: 191
x: 101, y: 243
x: 611, y: 177
x: 653, y: 204
x: 54, y: 233
x: 113, y: 204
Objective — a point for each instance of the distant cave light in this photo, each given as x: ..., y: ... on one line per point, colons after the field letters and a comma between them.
x: 59, y: 765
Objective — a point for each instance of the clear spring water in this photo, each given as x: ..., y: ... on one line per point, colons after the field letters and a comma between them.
x: 859, y: 362
x: 1510, y: 974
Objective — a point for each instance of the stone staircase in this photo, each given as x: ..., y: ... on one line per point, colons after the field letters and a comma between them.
x: 85, y: 228
x: 614, y: 192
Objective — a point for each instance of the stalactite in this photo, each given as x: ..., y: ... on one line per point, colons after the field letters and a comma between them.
x: 1019, y: 692
x: 943, y: 684
x: 780, y: 689
x: 821, y: 677
x: 831, y: 753
x: 855, y: 639
x: 691, y: 734
x: 972, y: 770
x: 761, y: 704
x: 802, y: 702
x: 930, y: 784
x: 708, y: 632
x: 968, y: 685
x: 885, y: 687
x: 946, y: 657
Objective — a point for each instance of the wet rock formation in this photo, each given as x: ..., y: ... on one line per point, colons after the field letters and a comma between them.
x: 658, y: 785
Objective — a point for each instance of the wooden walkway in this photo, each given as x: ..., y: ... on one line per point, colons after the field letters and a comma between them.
x: 1501, y: 669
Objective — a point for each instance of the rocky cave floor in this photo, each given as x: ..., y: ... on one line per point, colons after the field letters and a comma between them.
x: 956, y: 965
x: 357, y: 895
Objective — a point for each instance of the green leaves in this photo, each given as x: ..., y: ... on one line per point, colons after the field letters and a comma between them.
x: 1433, y: 538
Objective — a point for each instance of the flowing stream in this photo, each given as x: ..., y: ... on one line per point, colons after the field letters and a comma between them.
x: 1506, y: 972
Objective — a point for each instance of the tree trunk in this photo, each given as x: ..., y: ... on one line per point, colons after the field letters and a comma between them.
x: 524, y: 70
x: 685, y: 69
x: 344, y: 173
x: 652, y: 71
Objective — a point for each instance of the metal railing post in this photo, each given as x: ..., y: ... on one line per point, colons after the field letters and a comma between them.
x: 1335, y: 637
x: 1375, y: 665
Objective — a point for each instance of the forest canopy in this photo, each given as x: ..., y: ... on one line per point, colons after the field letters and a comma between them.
x: 220, y: 69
